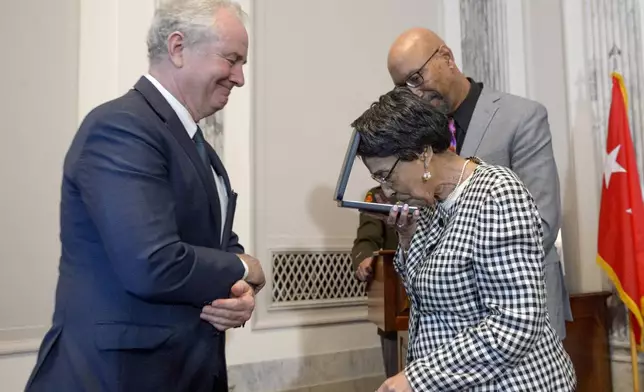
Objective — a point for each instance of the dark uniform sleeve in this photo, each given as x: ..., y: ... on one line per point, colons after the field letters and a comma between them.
x: 369, y: 239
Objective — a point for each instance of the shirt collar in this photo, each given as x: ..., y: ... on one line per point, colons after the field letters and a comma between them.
x: 184, y: 116
x: 464, y: 112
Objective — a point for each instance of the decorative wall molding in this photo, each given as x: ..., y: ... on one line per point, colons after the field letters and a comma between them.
x: 452, y: 29
x: 21, y: 340
x: 608, y: 24
x: 308, y: 312
x: 25, y: 346
x: 299, y: 295
x: 488, y: 41
x: 517, y: 48
x: 484, y: 42
x: 621, y: 352
x: 274, y: 317
x: 314, y: 277
x: 213, y: 130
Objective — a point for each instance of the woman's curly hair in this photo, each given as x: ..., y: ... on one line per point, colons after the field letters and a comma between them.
x: 403, y: 125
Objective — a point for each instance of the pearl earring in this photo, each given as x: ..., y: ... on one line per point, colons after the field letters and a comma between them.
x: 427, y: 175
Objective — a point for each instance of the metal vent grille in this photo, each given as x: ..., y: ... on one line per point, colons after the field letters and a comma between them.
x: 320, y: 276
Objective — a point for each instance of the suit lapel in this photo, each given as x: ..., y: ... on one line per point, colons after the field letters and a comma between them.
x: 218, y: 166
x: 484, y: 112
x: 230, y: 217
x: 232, y: 196
x: 168, y: 115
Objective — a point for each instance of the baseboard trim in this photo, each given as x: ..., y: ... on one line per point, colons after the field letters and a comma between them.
x: 621, y: 352
x: 21, y: 340
x: 27, y: 346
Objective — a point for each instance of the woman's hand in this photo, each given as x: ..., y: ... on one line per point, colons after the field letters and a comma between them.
x: 397, y: 383
x: 404, y: 223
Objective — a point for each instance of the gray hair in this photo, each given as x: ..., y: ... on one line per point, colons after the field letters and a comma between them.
x: 193, y: 18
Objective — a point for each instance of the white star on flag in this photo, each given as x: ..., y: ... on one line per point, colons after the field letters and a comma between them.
x: 611, y: 166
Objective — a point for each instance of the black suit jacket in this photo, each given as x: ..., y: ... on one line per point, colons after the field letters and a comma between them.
x: 142, y: 252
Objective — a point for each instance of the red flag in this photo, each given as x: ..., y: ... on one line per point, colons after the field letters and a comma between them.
x: 620, y: 250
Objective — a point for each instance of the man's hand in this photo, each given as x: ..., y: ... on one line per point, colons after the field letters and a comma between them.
x: 231, y: 312
x: 365, y: 270
x: 255, y: 272
x: 397, y: 383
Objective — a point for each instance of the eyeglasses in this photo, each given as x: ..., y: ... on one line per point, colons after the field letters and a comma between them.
x: 385, y: 179
x: 416, y: 79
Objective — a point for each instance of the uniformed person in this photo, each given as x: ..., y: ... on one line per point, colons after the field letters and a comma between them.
x: 373, y: 235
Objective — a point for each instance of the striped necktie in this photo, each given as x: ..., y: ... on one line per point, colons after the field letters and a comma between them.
x: 200, y: 142
x: 452, y: 130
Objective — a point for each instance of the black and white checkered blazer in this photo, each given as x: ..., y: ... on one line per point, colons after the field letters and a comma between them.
x: 474, y: 274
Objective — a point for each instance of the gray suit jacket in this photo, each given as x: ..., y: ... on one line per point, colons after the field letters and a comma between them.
x: 514, y: 132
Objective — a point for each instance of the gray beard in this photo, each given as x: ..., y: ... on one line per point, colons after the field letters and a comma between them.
x: 437, y: 101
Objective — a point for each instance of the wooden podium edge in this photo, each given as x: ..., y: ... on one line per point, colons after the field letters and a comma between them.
x: 393, y: 318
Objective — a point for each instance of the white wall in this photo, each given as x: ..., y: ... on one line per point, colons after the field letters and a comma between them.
x: 15, y: 370
x: 38, y: 107
x: 549, y: 82
x: 556, y: 68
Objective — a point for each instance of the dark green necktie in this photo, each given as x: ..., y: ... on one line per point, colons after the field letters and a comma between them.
x: 200, y: 142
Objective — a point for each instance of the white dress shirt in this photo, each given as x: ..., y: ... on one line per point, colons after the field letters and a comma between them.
x: 191, y: 127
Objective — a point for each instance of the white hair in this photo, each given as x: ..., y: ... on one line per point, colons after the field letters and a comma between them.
x: 194, y: 18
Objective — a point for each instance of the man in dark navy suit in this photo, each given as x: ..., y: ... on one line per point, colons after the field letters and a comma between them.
x: 151, y: 273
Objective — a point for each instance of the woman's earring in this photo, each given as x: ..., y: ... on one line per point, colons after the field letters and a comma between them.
x: 427, y: 175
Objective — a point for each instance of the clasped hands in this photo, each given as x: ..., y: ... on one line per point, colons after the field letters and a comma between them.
x: 235, y: 311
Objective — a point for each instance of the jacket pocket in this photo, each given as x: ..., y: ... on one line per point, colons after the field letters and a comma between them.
x: 118, y: 336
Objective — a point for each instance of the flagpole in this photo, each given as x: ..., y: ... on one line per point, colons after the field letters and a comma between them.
x: 634, y: 362
x: 614, y: 54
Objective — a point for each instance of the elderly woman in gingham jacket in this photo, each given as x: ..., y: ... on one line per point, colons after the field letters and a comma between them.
x: 471, y: 259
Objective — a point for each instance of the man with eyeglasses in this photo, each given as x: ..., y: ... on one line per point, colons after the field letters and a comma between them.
x: 499, y: 128
x: 152, y: 274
